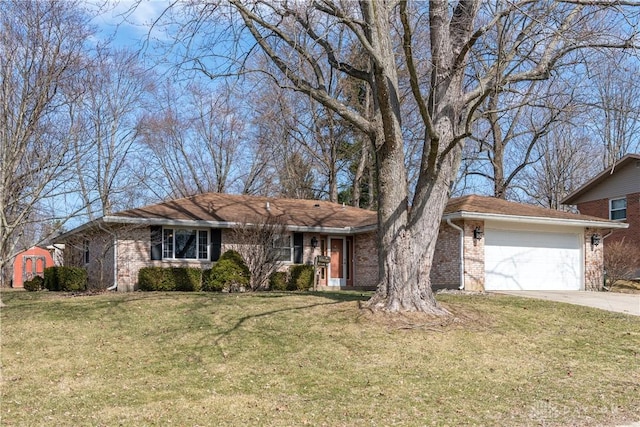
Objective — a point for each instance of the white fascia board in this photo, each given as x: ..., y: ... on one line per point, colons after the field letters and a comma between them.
x: 78, y: 229
x: 535, y: 220
x: 228, y: 224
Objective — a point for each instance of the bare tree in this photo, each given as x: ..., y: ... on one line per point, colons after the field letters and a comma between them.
x: 108, y: 134
x: 621, y: 261
x: 511, y: 123
x: 195, y: 138
x: 565, y: 163
x: 613, y: 106
x: 298, y: 37
x: 255, y: 242
x: 42, y: 55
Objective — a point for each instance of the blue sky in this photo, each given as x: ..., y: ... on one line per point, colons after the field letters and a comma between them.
x: 127, y: 21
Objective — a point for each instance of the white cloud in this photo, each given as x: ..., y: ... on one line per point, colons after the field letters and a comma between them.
x: 127, y: 19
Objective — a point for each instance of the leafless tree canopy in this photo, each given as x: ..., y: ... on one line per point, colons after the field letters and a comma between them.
x: 256, y: 244
x: 41, y: 59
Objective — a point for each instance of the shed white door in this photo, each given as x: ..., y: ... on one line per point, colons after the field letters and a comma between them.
x: 528, y: 260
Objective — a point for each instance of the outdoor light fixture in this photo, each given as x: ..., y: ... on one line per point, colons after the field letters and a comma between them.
x: 477, y: 233
x: 314, y: 242
x: 595, y: 239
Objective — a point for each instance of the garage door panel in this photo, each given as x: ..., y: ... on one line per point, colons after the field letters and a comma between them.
x: 519, y: 260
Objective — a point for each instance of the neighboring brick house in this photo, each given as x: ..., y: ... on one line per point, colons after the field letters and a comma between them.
x: 484, y: 243
x: 613, y: 194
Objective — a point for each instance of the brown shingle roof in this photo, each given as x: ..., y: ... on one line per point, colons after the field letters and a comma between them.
x: 253, y: 209
x: 492, y: 205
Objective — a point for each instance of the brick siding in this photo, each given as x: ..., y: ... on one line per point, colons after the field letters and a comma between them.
x: 445, y: 272
x: 365, y: 260
x: 600, y: 208
x: 593, y: 262
x: 100, y: 266
x: 473, y: 257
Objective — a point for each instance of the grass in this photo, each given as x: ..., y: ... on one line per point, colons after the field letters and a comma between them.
x: 626, y: 286
x: 191, y: 359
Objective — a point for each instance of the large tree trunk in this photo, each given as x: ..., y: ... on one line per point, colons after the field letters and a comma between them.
x: 407, y: 236
x: 407, y: 231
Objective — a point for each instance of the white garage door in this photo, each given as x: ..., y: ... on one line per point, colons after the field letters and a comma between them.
x: 527, y: 260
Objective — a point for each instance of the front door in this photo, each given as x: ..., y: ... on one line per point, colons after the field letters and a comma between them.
x: 336, y: 270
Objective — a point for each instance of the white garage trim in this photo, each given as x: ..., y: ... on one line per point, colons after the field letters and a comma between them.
x: 531, y: 259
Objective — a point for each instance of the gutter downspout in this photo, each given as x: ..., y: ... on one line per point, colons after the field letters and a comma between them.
x: 461, y: 287
x: 115, y: 265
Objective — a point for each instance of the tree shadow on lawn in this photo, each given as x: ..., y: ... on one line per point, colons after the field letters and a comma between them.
x: 332, y: 297
x: 339, y: 296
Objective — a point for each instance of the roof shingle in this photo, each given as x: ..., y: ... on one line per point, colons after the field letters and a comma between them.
x: 492, y: 205
x: 255, y: 209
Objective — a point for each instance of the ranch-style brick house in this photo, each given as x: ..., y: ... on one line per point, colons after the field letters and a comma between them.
x: 484, y: 243
x: 195, y: 231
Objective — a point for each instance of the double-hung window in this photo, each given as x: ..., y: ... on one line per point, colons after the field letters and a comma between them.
x: 618, y: 209
x: 185, y: 243
x: 282, y: 244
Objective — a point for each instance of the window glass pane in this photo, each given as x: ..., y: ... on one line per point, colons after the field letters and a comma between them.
x: 619, y: 214
x: 185, y: 241
x: 167, y: 243
x: 618, y: 209
x: 203, y: 244
x: 619, y: 204
x: 283, y: 245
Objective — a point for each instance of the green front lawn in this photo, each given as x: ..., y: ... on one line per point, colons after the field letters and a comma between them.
x: 267, y: 359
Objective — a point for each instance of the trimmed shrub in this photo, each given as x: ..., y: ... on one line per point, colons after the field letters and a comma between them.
x: 300, y: 277
x: 183, y: 279
x: 186, y: 279
x: 229, y: 274
x: 278, y: 281
x: 208, y: 284
x: 151, y: 279
x: 66, y: 279
x: 35, y: 284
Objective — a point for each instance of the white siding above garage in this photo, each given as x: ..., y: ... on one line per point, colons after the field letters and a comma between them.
x: 523, y: 259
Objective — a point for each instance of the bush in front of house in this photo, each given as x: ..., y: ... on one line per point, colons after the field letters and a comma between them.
x: 34, y: 285
x: 184, y: 279
x: 278, y: 281
x: 230, y: 273
x: 66, y: 279
x: 150, y: 279
x: 620, y: 262
x: 300, y: 277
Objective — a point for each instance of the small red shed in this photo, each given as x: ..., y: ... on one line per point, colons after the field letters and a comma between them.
x: 30, y: 263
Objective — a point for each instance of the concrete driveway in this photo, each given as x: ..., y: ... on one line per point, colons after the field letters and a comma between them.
x: 611, y: 301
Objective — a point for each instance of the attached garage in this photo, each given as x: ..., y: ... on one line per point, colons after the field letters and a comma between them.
x: 488, y: 244
x: 533, y: 260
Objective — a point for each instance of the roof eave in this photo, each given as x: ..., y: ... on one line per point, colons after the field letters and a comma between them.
x: 575, y: 195
x: 535, y: 220
x: 87, y: 225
